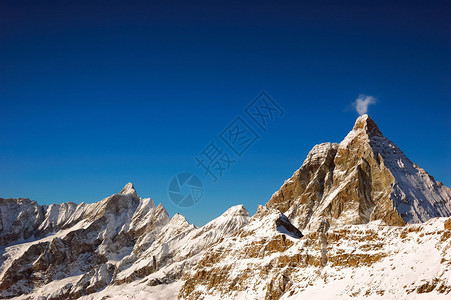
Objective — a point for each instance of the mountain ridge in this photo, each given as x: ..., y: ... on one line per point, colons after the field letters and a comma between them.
x: 350, y: 210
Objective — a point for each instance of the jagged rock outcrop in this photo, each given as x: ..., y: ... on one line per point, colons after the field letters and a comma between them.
x: 85, y: 238
x: 178, y: 244
x: 259, y: 262
x: 19, y: 219
x: 268, y: 232
x: 364, y: 178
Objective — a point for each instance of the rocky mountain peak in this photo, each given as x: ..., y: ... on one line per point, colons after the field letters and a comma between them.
x: 364, y: 124
x: 179, y: 220
x: 365, y: 178
x: 129, y: 188
x: 161, y: 212
x: 237, y: 210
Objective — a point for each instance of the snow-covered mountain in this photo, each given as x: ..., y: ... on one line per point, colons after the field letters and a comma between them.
x: 357, y: 219
x: 67, y: 251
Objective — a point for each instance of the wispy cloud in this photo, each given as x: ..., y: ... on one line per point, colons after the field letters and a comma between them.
x: 362, y: 102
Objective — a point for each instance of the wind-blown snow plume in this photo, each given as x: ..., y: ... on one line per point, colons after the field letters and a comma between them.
x: 362, y: 102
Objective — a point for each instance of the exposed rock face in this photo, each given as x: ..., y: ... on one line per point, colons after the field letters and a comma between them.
x: 268, y: 232
x: 364, y: 178
x: 447, y: 224
x: 19, y: 219
x: 348, y: 261
x: 177, y: 246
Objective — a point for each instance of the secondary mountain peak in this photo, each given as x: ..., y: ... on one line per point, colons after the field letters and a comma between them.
x: 237, y: 210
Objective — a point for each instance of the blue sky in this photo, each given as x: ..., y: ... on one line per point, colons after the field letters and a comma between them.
x: 94, y: 94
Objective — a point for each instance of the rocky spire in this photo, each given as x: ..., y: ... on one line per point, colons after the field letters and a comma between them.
x: 365, y: 124
x: 128, y: 189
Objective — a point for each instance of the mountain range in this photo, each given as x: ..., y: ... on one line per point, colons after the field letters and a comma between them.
x: 357, y: 219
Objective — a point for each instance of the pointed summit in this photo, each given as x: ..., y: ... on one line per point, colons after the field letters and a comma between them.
x: 233, y: 218
x: 366, y: 124
x: 237, y: 210
x: 128, y: 189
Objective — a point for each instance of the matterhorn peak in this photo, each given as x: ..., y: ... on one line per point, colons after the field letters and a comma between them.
x: 366, y: 178
x: 365, y: 124
x: 128, y: 189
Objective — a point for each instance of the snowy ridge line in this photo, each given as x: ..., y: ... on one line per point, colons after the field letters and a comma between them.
x: 358, y: 219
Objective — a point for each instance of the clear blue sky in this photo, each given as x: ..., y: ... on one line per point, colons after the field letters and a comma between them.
x: 94, y: 94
